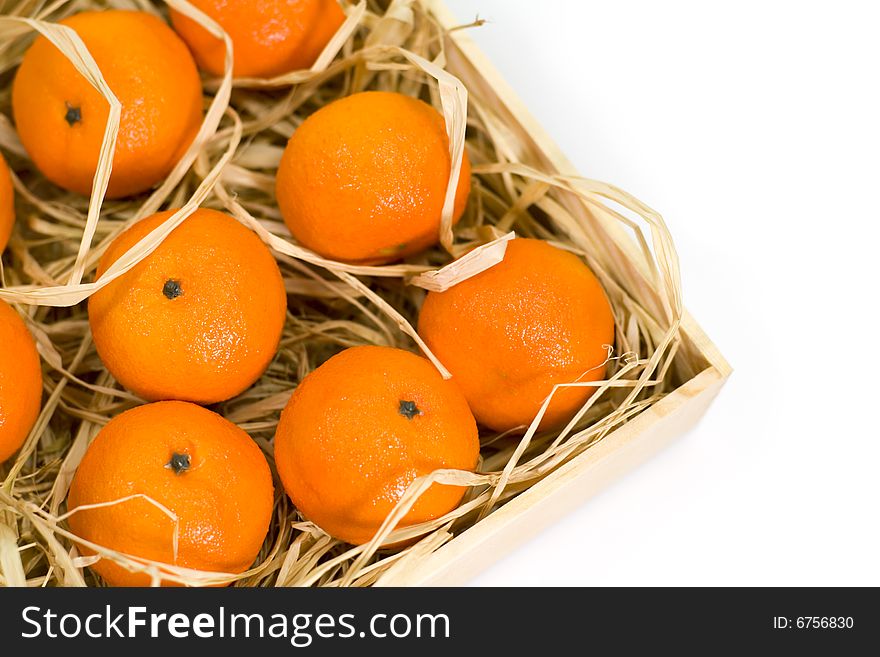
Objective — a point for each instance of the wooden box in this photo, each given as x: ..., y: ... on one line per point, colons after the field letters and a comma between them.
x: 599, y: 235
x: 620, y: 451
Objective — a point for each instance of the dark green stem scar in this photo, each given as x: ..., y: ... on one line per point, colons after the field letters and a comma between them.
x: 172, y: 289
x: 73, y: 115
x: 408, y: 409
x: 179, y: 463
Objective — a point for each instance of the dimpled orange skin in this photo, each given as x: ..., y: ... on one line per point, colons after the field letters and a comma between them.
x: 61, y: 118
x: 511, y: 333
x: 218, y: 330
x: 346, y: 450
x: 21, y: 384
x: 269, y: 38
x: 223, y: 497
x: 7, y: 204
x: 363, y: 179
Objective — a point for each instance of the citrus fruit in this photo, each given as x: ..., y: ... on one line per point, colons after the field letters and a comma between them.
x: 268, y: 38
x: 21, y: 383
x: 363, y: 179
x: 61, y: 118
x: 360, y: 428
x: 509, y: 334
x: 199, y: 319
x: 7, y: 205
x: 199, y: 466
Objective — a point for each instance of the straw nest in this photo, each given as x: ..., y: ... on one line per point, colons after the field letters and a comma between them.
x: 49, y: 270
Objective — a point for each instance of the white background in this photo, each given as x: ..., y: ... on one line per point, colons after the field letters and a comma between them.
x: 754, y: 128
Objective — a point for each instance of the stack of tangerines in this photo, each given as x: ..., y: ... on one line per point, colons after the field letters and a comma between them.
x: 199, y: 320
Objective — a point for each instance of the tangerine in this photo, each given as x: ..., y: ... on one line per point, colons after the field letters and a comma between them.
x: 269, y: 38
x: 199, y: 466
x: 361, y: 428
x: 61, y: 117
x: 199, y: 319
x: 7, y: 204
x: 364, y: 178
x: 21, y: 383
x: 511, y: 333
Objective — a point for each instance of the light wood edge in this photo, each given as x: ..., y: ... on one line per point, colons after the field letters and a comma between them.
x: 480, y: 546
